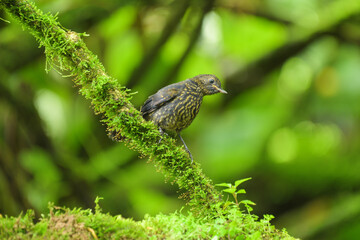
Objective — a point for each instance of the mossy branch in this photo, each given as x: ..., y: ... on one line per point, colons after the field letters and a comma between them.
x: 66, y: 51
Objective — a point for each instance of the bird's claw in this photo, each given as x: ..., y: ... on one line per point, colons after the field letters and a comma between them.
x: 162, y: 132
x: 191, y: 157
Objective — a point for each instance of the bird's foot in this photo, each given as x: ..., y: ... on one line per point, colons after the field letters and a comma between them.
x: 162, y: 132
x: 191, y: 157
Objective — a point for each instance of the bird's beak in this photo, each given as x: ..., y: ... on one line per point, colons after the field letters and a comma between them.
x: 220, y: 90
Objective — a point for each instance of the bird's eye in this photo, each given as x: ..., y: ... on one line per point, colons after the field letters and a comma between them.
x: 211, y: 81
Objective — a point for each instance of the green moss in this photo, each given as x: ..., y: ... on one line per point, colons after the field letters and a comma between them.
x: 64, y: 223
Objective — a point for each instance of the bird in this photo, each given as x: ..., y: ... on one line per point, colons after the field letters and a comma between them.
x: 174, y: 107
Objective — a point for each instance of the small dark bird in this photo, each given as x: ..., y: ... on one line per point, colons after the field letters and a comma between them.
x: 174, y: 107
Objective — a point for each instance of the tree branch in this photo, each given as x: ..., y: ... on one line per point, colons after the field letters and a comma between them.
x: 66, y: 50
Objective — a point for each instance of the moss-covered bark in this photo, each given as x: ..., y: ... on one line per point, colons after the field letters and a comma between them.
x: 63, y: 223
x: 66, y: 51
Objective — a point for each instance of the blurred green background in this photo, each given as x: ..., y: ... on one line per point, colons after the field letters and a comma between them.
x: 291, y: 120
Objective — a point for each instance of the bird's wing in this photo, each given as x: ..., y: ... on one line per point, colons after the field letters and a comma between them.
x: 162, y: 97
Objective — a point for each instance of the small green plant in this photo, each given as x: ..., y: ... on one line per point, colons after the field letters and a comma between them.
x: 233, y: 190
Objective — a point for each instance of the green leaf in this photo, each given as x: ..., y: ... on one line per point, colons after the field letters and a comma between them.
x: 247, y: 202
x: 230, y: 190
x: 241, y: 191
x: 223, y: 185
x: 238, y: 182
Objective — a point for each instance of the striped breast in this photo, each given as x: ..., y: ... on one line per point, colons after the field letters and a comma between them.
x: 181, y: 111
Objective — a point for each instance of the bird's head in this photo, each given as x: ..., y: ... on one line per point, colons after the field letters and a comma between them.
x: 209, y: 84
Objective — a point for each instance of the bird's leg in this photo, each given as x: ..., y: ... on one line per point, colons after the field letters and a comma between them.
x: 162, y: 132
x: 186, y: 148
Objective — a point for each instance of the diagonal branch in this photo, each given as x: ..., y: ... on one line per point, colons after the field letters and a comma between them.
x: 66, y: 50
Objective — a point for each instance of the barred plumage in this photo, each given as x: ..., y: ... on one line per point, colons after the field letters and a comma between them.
x: 174, y: 107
